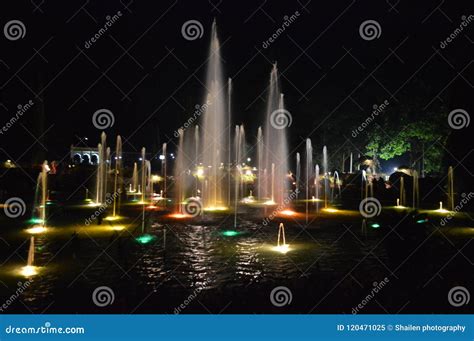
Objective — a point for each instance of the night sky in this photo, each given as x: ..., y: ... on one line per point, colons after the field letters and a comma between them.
x: 150, y: 77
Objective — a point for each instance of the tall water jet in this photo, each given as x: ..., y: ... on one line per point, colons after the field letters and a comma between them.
x: 450, y: 189
x: 281, y: 246
x: 416, y: 190
x: 229, y: 115
x: 298, y: 174
x: 118, y: 173
x: 316, y: 186
x: 164, y: 165
x: 326, y: 176
x: 30, y: 269
x: 309, y: 169
x: 350, y: 164
x: 41, y: 196
x: 402, y: 191
x: 179, y: 173
x: 276, y: 149
x: 101, y: 169
x: 135, y: 178
x: 215, y: 124
x: 143, y: 175
x: 260, y: 162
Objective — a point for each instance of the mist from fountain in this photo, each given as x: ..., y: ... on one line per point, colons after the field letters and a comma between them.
x: 326, y: 176
x: 309, y: 169
x: 117, y: 175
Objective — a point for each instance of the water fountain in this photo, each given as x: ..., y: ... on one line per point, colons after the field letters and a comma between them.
x: 164, y: 166
x: 350, y: 164
x: 260, y: 164
x: 281, y: 246
x: 326, y: 176
x: 101, y: 183
x: 450, y: 189
x: 309, y: 169
x: 117, y: 177
x: 41, y: 193
x: 298, y: 174
x: 275, y: 153
x: 416, y: 190
x: 135, y: 178
x: 30, y: 269
x: 402, y: 191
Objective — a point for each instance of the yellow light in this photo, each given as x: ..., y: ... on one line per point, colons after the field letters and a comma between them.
x: 288, y: 212
x: 93, y: 204
x: 118, y: 227
x: 36, y: 229
x: 330, y: 210
x: 112, y: 218
x: 200, y: 172
x: 284, y: 248
x: 178, y: 215
x: 215, y: 208
x: 156, y: 178
x: 269, y: 202
x: 29, y: 270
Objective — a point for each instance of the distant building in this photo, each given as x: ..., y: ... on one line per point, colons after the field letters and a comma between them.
x: 85, y: 155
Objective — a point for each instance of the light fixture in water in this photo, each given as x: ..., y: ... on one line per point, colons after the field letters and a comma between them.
x: 282, y: 246
x: 288, y: 212
x: 330, y: 210
x: 145, y: 238
x: 29, y: 270
x: 36, y: 229
x: 375, y: 225
x: 36, y: 221
x: 230, y: 233
x: 112, y: 218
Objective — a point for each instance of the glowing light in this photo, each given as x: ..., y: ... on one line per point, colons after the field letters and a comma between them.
x: 441, y: 209
x: 248, y: 200
x: 230, y: 233
x: 151, y: 207
x: 315, y: 199
x: 145, y: 238
x: 93, y: 204
x: 330, y: 210
x: 156, y: 178
x: 375, y: 225
x: 29, y: 270
x: 288, y: 212
x: 112, y: 218
x: 284, y: 248
x: 36, y: 221
x: 421, y: 221
x: 269, y: 202
x: 178, y: 216
x: 216, y: 208
x: 118, y: 227
x: 36, y: 229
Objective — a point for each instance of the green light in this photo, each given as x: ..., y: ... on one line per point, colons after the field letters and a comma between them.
x: 375, y: 225
x: 36, y: 221
x: 230, y: 233
x: 145, y: 238
x: 421, y: 221
x: 49, y: 203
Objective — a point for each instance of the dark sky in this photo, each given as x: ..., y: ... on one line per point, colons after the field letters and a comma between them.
x: 150, y: 77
